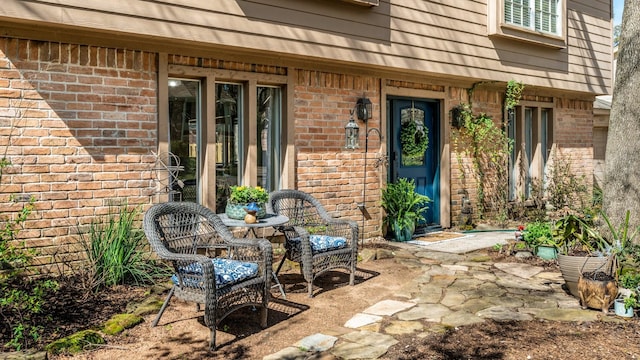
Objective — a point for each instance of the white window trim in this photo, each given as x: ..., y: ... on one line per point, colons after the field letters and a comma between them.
x: 497, y: 27
x: 532, y: 13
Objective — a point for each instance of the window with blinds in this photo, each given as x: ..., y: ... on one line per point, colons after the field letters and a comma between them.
x: 545, y: 14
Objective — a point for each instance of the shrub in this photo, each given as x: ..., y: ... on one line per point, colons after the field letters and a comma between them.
x: 538, y: 233
x: 630, y: 280
x: 21, y: 298
x: 565, y: 189
x: 114, y: 248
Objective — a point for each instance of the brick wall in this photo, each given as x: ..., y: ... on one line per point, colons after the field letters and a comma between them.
x: 325, y: 169
x: 464, y: 184
x: 78, y: 124
x: 572, y: 136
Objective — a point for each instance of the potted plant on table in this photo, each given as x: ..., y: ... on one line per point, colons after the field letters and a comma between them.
x: 241, y: 196
x: 404, y: 207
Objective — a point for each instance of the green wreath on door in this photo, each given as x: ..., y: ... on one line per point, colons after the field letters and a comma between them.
x: 414, y: 142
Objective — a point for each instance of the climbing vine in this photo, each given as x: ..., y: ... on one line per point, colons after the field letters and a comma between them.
x: 488, y: 146
x: 413, y: 141
x: 513, y: 93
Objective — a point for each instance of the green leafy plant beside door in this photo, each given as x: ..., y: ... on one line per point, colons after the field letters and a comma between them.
x: 404, y: 207
x: 487, y: 145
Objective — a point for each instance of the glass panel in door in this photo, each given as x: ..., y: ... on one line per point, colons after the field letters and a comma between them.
x: 269, y: 130
x: 228, y: 125
x: 184, y: 112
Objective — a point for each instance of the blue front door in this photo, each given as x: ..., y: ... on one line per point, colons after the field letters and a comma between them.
x: 411, y: 122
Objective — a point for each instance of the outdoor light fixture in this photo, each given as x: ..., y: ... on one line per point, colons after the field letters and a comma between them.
x: 351, y: 131
x: 363, y: 109
x: 457, y: 118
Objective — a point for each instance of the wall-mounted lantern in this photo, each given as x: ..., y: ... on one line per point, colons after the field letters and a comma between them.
x: 457, y: 117
x: 363, y: 109
x: 351, y: 131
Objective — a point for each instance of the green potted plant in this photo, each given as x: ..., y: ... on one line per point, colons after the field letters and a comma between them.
x: 580, y: 249
x: 625, y: 305
x: 537, y: 235
x: 404, y: 206
x: 593, y: 245
x: 241, y: 196
x: 621, y: 244
x: 630, y: 280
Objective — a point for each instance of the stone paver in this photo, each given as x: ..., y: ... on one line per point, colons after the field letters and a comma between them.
x: 569, y: 315
x: 370, y: 338
x: 357, y: 351
x: 403, y: 327
x: 388, y: 307
x: 360, y: 320
x: 291, y: 353
x: 461, y: 268
x: 503, y: 313
x: 460, y: 318
x: 522, y: 270
x: 316, y: 342
x: 453, y: 290
x: 425, y: 312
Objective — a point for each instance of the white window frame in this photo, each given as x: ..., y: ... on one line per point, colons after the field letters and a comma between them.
x: 503, y: 23
x: 529, y: 14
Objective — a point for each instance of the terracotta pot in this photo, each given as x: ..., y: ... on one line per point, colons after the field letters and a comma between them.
x: 572, y: 266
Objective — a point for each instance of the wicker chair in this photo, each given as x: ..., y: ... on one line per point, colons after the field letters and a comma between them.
x: 211, y: 266
x: 313, y: 238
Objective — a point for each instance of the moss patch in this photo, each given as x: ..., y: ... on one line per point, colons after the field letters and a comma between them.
x: 75, y: 343
x: 119, y: 322
x: 150, y: 305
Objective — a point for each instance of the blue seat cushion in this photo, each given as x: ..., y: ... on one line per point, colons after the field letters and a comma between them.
x: 322, y: 243
x: 227, y: 272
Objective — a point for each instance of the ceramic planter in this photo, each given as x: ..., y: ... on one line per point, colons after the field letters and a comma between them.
x: 618, y: 307
x: 401, y: 233
x: 236, y: 211
x: 547, y: 252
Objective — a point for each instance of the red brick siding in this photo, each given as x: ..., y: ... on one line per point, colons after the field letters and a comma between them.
x: 325, y: 169
x: 79, y: 124
x: 88, y: 120
x: 572, y: 135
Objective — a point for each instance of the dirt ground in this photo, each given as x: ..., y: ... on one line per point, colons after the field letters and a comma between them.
x: 182, y: 335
